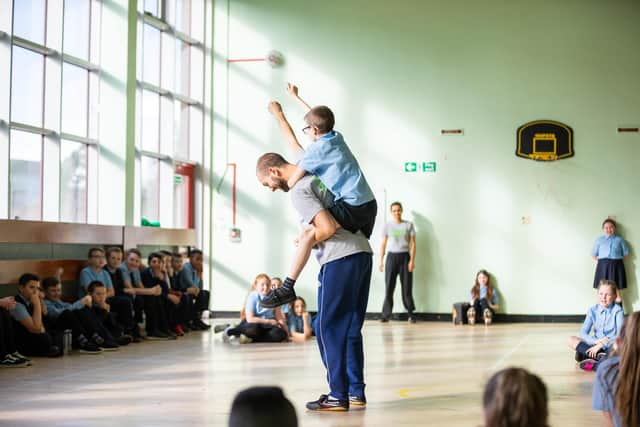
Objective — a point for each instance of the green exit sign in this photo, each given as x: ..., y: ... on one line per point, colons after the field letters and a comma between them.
x: 419, y: 166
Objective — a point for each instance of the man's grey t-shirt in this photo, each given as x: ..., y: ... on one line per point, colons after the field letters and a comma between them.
x: 398, y: 236
x: 309, y: 197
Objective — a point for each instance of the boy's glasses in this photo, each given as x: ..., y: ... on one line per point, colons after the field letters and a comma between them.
x: 306, y: 129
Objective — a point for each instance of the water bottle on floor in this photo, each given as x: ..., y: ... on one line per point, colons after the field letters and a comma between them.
x: 67, y: 342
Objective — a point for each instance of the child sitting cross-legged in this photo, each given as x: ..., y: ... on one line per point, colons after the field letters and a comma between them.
x: 600, y: 329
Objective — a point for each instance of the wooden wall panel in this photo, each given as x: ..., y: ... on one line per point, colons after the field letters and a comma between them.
x: 59, y: 232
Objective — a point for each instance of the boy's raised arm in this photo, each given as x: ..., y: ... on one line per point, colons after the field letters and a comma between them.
x: 293, y: 91
x: 285, y: 127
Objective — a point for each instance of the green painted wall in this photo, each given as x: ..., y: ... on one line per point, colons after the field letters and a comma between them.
x: 395, y: 76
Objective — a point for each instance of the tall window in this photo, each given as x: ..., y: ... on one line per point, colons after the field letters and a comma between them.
x: 170, y: 104
x: 53, y: 108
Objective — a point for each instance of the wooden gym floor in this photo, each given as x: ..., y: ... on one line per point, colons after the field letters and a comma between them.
x: 422, y: 374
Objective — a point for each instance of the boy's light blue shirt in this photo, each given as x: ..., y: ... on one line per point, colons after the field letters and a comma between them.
x: 87, y: 275
x: 612, y: 247
x: 330, y: 159
x: 253, y: 306
x: 188, y: 277
x: 128, y: 277
x: 55, y: 308
x: 605, y: 322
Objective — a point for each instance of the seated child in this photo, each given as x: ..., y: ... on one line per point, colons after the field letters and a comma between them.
x: 87, y: 332
x: 187, y: 280
x: 616, y: 389
x: 260, y: 324
x: 299, y: 321
x: 108, y: 320
x: 330, y: 159
x: 514, y: 397
x: 484, y: 299
x: 160, y: 310
x: 31, y: 337
x: 9, y: 355
x: 604, y: 320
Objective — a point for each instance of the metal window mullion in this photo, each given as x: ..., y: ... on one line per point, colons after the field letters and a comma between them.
x: 153, y: 154
x: 153, y: 88
x: 36, y: 47
x: 79, y: 62
x: 31, y: 129
x: 76, y: 138
x: 154, y: 21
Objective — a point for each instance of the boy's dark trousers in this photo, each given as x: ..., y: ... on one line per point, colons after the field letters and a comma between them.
x: 354, y: 218
x: 259, y: 332
x: 397, y: 264
x: 7, y: 337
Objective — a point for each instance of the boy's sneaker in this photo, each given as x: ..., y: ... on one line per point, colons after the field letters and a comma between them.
x: 178, y: 330
x: 220, y: 328
x: 226, y: 337
x: 471, y: 316
x: 601, y: 356
x: 245, y: 339
x: 124, y: 340
x: 90, y: 348
x: 109, y: 345
x: 277, y: 297
x: 10, y: 362
x: 54, y: 351
x: 18, y: 356
x: 357, y: 401
x: 488, y: 316
x: 324, y: 403
x: 412, y: 319
x: 588, y: 365
x: 203, y: 326
x: 157, y: 335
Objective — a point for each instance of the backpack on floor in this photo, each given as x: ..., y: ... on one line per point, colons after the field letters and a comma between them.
x: 460, y: 313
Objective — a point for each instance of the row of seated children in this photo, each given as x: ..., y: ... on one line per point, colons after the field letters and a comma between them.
x: 167, y: 293
x: 260, y: 324
x: 512, y: 397
x: 114, y: 298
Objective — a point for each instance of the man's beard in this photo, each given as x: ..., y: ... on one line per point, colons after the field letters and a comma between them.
x: 282, y: 184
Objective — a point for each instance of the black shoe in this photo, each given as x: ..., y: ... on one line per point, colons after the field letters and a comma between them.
x: 90, y: 348
x: 278, y: 297
x: 124, y: 340
x: 578, y: 357
x: 326, y: 404
x: 18, y: 356
x: 359, y: 401
x: 203, y: 326
x: 384, y: 319
x: 157, y: 335
x: 412, y: 319
x: 54, y: 351
x: 194, y: 326
x: 109, y: 345
x: 11, y: 362
x: 601, y: 356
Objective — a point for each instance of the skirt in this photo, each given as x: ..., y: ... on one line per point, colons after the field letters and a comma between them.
x: 611, y: 269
